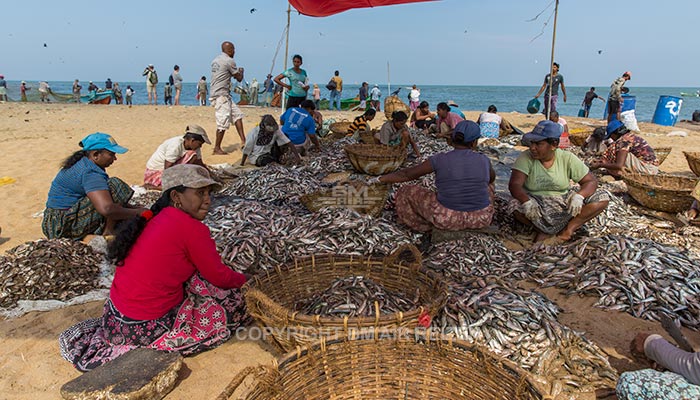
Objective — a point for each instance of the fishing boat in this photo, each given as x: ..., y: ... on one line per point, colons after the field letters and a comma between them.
x: 104, y: 97
x: 696, y: 94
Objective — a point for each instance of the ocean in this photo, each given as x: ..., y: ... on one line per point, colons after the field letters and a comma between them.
x: 505, y: 98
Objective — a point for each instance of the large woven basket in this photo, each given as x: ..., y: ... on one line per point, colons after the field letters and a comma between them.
x: 393, y: 103
x: 387, y: 365
x: 270, y: 297
x: 340, y: 128
x: 662, y: 153
x: 367, y: 137
x: 693, y: 159
x: 668, y: 193
x: 578, y: 136
x: 365, y: 199
x: 375, y: 159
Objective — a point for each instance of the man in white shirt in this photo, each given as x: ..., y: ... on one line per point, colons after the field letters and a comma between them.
x: 177, y: 150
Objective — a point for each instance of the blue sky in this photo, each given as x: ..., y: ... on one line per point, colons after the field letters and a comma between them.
x: 425, y: 43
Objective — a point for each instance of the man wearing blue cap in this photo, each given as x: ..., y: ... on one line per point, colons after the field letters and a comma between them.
x: 628, y: 152
x: 83, y: 199
x: 540, y: 186
x: 464, y: 180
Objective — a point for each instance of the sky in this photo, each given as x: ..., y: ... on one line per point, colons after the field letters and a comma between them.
x: 448, y: 42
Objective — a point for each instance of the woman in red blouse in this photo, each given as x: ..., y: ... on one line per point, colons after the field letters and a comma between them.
x: 170, y: 290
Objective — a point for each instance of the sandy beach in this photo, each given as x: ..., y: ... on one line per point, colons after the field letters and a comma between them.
x: 37, y: 137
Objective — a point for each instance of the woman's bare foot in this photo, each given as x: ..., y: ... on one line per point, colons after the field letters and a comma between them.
x: 219, y: 152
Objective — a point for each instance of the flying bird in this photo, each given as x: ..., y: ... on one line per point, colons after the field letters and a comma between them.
x: 320, y: 34
x: 600, y: 51
x: 252, y: 10
x: 45, y: 45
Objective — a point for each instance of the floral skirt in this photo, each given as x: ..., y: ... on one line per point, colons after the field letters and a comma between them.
x: 205, y: 319
x: 648, y: 384
x: 418, y: 208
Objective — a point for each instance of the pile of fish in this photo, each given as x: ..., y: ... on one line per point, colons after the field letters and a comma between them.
x: 638, y: 276
x: 522, y: 325
x: 48, y: 269
x: 355, y: 296
x: 331, y: 158
x: 273, y: 183
x: 253, y: 236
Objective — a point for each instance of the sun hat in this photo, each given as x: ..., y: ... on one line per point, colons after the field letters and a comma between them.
x: 628, y: 73
x: 23, y: 83
x: 469, y: 129
x: 198, y: 130
x: 99, y: 141
x: 452, y: 103
x: 543, y: 130
x: 187, y: 175
x: 613, y: 127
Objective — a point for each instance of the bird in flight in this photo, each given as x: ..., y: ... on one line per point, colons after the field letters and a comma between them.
x: 252, y: 10
x: 45, y: 45
x: 600, y: 51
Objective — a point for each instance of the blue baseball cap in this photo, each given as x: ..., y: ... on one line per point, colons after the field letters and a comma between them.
x: 99, y: 141
x: 469, y: 129
x: 613, y: 126
x: 543, y: 130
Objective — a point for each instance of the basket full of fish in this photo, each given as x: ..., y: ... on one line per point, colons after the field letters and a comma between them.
x: 324, y: 295
x: 668, y: 193
x: 388, y: 365
x: 375, y: 159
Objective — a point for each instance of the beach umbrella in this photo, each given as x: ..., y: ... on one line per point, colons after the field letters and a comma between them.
x: 324, y: 8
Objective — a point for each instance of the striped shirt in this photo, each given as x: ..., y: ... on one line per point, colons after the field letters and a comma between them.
x: 360, y: 123
x: 72, y: 184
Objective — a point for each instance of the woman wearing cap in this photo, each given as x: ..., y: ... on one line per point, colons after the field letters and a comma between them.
x: 628, y: 152
x: 83, y: 199
x: 422, y: 117
x: 539, y: 183
x: 170, y: 292
x: 463, y: 177
x: 177, y: 150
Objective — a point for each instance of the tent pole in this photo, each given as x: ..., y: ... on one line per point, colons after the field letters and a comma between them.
x: 551, y: 61
x: 388, y: 78
x: 286, y: 54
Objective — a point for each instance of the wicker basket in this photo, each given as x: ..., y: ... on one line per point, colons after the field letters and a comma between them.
x: 662, y: 153
x: 388, y: 365
x: 668, y: 193
x: 693, y: 158
x: 367, y: 137
x: 270, y: 297
x: 375, y: 159
x: 393, y: 103
x: 578, y: 136
x: 355, y: 195
x: 340, y: 128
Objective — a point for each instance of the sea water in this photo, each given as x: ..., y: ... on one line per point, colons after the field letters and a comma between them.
x: 505, y: 98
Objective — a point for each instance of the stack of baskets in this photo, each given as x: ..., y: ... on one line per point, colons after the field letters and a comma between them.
x: 364, y: 199
x: 393, y: 103
x: 693, y: 159
x: 389, y: 365
x: 375, y: 159
x: 340, y: 128
x: 662, y: 153
x: 270, y: 298
x: 669, y: 193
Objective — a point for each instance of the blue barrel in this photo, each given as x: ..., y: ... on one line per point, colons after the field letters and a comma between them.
x: 628, y: 103
x: 667, y: 110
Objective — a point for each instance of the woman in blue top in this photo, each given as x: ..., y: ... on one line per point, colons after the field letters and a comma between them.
x: 83, y: 199
x: 298, y: 83
x: 464, y: 181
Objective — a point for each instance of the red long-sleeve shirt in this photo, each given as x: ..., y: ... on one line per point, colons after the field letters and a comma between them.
x: 172, y: 246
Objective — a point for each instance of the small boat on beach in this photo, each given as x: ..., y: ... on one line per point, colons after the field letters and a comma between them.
x: 104, y: 97
x: 696, y: 94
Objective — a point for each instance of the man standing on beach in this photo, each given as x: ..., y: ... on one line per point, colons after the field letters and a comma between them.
x: 151, y: 83
x: 588, y: 101
x: 3, y: 88
x: 76, y: 91
x: 44, y: 90
x: 337, y: 92
x: 269, y: 90
x: 550, y: 99
x: 375, y: 94
x: 223, y: 68
x: 615, y: 96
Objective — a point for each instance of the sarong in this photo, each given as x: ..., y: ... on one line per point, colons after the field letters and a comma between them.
x: 418, y: 208
x: 648, y: 384
x: 555, y: 215
x: 154, y: 177
x: 206, y: 318
x: 634, y: 164
x: 83, y: 219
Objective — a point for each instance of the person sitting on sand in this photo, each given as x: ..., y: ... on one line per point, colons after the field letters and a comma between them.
x: 361, y: 123
x: 564, y: 142
x: 177, y: 150
x: 491, y: 123
x: 266, y: 143
x: 464, y: 180
x: 539, y: 183
x: 170, y: 292
x: 628, y: 152
x: 395, y: 133
x: 446, y: 121
x: 681, y: 381
x: 422, y: 118
x: 83, y: 199
x: 300, y: 127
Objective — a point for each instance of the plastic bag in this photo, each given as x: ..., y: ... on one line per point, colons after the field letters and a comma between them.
x: 630, y: 120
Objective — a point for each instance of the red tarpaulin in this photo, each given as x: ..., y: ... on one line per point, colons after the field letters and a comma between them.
x: 324, y: 8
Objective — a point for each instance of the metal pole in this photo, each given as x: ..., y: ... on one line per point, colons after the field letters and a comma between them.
x: 551, y: 61
x: 388, y: 78
x: 286, y: 54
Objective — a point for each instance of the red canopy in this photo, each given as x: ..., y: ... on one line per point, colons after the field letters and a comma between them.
x: 324, y: 8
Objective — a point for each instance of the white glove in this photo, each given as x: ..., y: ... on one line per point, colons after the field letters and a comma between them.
x: 575, y: 204
x: 532, y: 210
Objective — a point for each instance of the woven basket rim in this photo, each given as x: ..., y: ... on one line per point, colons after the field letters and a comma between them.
x: 642, y: 181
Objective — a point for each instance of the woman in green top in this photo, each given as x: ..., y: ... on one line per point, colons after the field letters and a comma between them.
x: 540, y: 184
x: 298, y: 83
